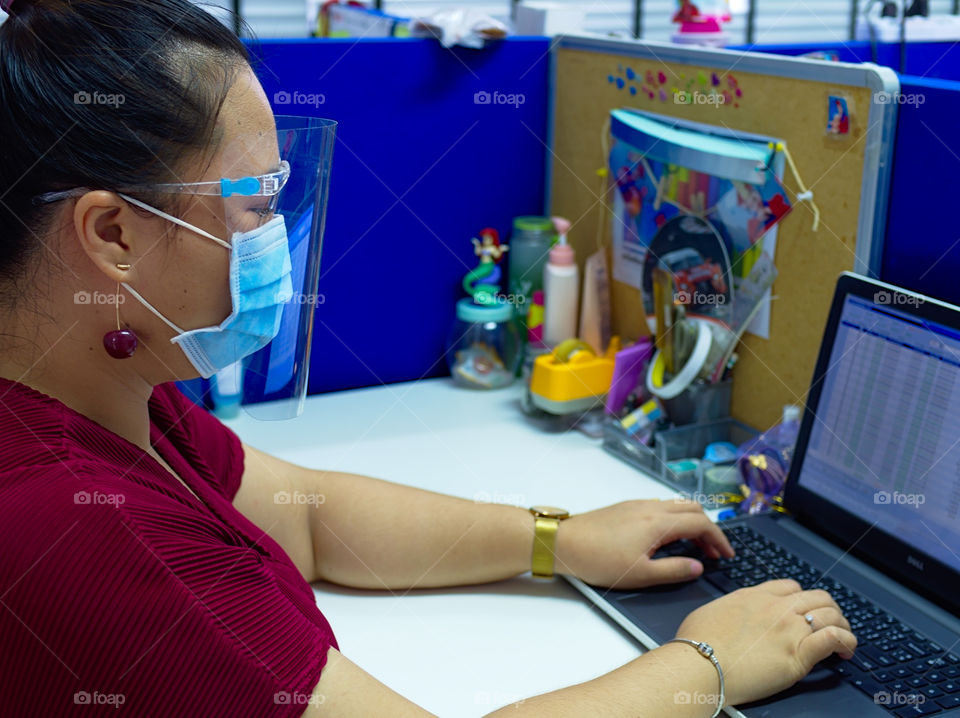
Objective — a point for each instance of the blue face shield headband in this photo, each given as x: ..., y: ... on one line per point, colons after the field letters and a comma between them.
x: 260, y: 285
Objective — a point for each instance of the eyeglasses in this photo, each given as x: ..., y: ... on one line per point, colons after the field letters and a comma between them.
x: 265, y: 185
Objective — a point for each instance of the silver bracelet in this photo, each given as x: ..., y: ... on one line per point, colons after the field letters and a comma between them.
x: 706, y: 650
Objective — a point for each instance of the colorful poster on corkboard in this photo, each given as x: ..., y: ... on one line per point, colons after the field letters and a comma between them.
x: 664, y: 169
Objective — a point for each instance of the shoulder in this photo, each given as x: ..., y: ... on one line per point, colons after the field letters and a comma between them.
x: 211, y: 447
x: 167, y: 399
x: 32, y: 427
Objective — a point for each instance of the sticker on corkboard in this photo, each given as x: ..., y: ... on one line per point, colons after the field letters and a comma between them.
x: 838, y: 116
x: 717, y: 90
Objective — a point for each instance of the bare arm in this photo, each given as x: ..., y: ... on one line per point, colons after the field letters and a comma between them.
x: 376, y: 534
x: 266, y: 480
x: 647, y: 686
x: 760, y: 637
x: 367, y: 533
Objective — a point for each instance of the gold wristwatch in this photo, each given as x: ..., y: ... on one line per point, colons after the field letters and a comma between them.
x: 547, y: 520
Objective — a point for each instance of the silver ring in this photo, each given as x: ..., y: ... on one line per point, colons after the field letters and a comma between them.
x: 809, y: 619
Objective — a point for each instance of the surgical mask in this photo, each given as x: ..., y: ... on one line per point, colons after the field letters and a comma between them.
x: 260, y: 285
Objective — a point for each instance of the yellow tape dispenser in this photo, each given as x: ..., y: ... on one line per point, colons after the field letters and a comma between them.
x: 572, y: 378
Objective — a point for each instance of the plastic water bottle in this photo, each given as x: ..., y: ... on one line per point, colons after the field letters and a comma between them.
x: 226, y: 391
x: 783, y: 436
x: 529, y: 247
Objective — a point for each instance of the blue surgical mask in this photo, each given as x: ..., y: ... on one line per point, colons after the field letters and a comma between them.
x: 260, y: 285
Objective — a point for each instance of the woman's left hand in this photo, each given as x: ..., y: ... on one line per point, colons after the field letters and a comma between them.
x: 612, y: 547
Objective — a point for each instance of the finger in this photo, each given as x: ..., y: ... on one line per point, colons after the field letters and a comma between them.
x: 708, y: 549
x: 807, y: 601
x: 671, y: 570
x: 823, y: 617
x: 683, y: 505
x: 693, y: 526
x: 781, y: 587
x: 825, y: 642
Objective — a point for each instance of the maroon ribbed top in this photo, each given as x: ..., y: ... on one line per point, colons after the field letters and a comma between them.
x: 121, y: 594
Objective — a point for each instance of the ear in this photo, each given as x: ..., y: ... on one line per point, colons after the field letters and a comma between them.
x: 104, y: 223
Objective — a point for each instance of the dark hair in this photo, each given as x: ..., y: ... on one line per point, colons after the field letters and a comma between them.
x: 102, y: 94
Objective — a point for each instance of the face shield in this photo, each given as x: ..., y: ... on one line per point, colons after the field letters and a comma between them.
x: 271, y: 383
x: 273, y: 190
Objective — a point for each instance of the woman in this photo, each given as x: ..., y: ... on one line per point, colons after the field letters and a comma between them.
x: 182, y: 588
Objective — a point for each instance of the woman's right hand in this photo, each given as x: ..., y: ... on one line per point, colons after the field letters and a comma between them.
x: 762, y: 640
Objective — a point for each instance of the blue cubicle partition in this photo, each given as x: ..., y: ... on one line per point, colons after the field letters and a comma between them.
x: 423, y: 161
x: 922, y: 246
x: 846, y: 51
x: 921, y: 250
x: 939, y: 60
x: 433, y: 145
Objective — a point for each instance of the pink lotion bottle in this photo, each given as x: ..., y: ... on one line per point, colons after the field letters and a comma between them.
x: 561, y: 289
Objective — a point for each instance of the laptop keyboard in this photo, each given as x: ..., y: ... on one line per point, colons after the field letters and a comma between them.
x: 899, y: 668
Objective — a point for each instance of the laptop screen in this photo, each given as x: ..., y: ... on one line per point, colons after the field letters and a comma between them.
x: 885, y: 441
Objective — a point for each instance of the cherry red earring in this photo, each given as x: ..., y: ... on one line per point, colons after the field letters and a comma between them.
x: 120, y: 343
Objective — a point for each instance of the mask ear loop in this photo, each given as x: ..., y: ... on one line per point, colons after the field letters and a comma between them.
x: 175, y: 220
x: 149, y: 306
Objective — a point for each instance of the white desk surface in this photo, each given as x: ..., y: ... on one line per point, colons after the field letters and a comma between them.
x: 463, y: 651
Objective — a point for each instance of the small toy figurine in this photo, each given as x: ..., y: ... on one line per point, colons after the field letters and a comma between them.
x: 483, y: 350
x: 482, y: 283
x: 489, y: 248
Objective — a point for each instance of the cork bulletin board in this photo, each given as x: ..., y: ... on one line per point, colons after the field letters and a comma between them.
x: 793, y: 99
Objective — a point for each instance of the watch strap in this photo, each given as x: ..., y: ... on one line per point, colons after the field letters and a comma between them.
x: 544, y: 546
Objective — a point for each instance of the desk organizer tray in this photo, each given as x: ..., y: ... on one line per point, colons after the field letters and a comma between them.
x: 673, y: 444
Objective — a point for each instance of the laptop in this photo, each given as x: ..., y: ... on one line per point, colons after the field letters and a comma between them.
x: 873, y: 496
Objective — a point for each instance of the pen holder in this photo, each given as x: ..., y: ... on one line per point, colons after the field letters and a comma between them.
x: 689, y: 443
x: 672, y: 448
x: 628, y: 447
x: 699, y: 403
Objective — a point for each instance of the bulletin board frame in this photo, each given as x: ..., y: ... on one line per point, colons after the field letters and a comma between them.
x: 850, y: 181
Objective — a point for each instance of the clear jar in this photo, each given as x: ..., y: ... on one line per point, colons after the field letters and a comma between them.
x: 484, y: 350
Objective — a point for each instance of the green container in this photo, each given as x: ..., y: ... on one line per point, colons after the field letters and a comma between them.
x: 529, y: 250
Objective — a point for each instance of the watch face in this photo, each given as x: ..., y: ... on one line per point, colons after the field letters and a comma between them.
x: 551, y: 512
